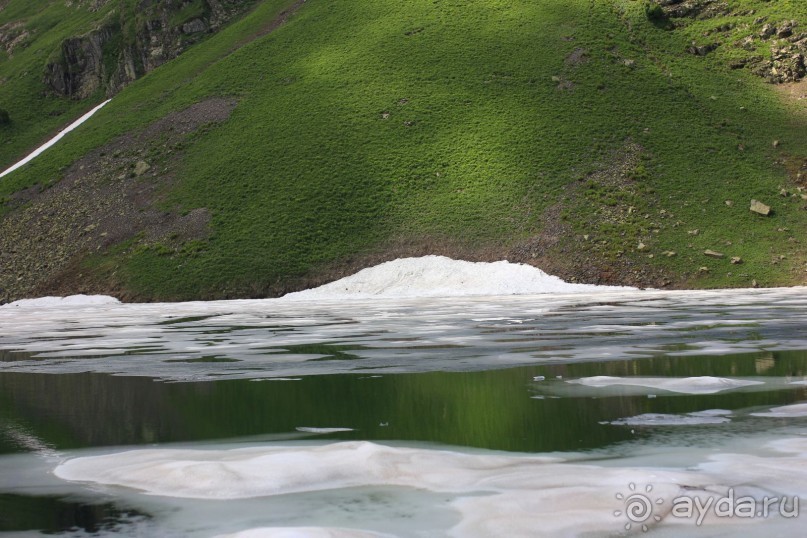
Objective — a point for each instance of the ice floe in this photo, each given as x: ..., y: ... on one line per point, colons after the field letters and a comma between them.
x: 251, y: 472
x: 663, y: 419
x: 785, y: 411
x: 682, y: 385
x: 303, y: 532
x: 493, y: 494
x: 307, y: 429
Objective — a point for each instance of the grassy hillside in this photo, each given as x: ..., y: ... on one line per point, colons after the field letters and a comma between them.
x: 576, y: 135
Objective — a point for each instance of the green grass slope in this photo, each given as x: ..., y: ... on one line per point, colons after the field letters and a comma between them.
x: 477, y: 128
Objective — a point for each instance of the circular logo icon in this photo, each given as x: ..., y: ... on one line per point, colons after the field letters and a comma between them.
x: 638, y: 507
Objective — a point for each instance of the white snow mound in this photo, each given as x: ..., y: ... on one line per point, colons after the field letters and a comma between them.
x: 71, y: 300
x: 438, y: 276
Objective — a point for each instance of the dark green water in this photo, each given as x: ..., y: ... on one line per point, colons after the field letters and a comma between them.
x: 495, y: 409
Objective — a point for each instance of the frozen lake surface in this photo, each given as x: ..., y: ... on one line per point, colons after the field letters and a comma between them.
x: 533, y: 415
x: 264, y: 339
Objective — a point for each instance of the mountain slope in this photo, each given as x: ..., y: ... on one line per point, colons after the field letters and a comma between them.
x: 290, y: 149
x: 87, y: 49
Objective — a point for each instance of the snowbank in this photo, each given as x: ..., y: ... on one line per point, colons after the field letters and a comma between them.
x: 71, y: 300
x: 429, y: 276
x: 438, y: 276
x: 37, y: 152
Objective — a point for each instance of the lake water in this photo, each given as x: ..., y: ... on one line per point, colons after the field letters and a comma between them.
x: 547, y: 415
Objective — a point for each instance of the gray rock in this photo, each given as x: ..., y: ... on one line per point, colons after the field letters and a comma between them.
x: 194, y: 26
x: 760, y: 208
x: 141, y: 168
x: 767, y: 31
x: 713, y: 253
x: 785, y: 29
x: 701, y: 50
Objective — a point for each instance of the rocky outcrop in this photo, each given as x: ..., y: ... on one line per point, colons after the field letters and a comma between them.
x: 696, y: 9
x: 788, y: 58
x: 13, y: 35
x: 112, y: 55
x: 79, y: 70
x: 787, y: 61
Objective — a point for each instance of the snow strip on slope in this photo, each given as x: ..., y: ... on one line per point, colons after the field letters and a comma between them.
x: 438, y: 276
x: 37, y: 152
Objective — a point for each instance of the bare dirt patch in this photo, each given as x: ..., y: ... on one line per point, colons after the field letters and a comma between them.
x: 274, y: 24
x: 795, y: 94
x: 576, y: 57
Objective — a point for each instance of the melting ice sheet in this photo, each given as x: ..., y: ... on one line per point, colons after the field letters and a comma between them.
x: 282, y: 483
x: 469, y: 493
x: 281, y: 338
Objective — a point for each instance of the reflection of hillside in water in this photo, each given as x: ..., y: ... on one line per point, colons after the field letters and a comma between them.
x: 496, y: 409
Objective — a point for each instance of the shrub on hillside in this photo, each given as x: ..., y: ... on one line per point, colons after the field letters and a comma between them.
x: 655, y: 14
x: 4, y: 117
